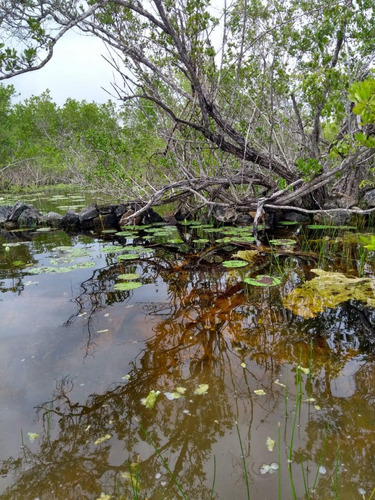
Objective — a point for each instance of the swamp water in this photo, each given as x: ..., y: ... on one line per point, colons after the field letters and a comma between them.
x: 142, y: 365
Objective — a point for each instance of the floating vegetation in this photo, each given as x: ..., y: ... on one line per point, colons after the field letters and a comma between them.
x: 288, y: 223
x: 61, y: 269
x: 128, y: 234
x: 128, y: 276
x: 201, y: 240
x: 113, y: 249
x: 102, y: 439
x: 263, y: 280
x: 109, y: 231
x: 247, y: 255
x: 150, y: 400
x: 44, y: 229
x: 128, y: 256
x: 283, y: 242
x: 328, y: 290
x: 235, y: 263
x: 326, y: 226
x: 127, y: 285
x: 201, y: 389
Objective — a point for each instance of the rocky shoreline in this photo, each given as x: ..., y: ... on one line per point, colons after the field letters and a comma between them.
x: 93, y: 217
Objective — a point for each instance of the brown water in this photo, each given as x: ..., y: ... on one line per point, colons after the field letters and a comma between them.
x: 77, y: 358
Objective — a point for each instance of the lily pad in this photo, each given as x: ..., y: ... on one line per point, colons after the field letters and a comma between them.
x: 326, y: 226
x: 129, y: 276
x: 327, y: 290
x: 113, y: 249
x: 125, y: 233
x: 128, y: 256
x: 283, y: 242
x: 288, y: 223
x: 128, y: 285
x: 263, y: 280
x: 235, y: 263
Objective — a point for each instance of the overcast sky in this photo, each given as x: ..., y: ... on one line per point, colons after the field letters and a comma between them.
x: 76, y: 70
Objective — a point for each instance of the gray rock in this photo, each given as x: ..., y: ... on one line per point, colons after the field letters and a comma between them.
x: 52, y: 219
x: 29, y: 218
x: 369, y: 198
x: 17, y: 210
x: 294, y: 216
x: 150, y: 216
x: 106, y: 221
x: 70, y: 220
x: 87, y: 216
x: 4, y: 213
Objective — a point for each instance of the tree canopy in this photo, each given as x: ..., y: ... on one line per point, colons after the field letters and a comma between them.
x: 258, y: 102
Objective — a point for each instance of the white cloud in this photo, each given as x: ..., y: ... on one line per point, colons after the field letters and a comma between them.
x: 77, y: 70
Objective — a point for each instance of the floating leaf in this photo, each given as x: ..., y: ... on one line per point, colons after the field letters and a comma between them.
x: 129, y: 285
x: 269, y: 468
x: 129, y: 276
x: 270, y: 444
x: 102, y: 439
x: 234, y: 263
x: 243, y: 365
x: 317, y: 407
x: 128, y: 256
x: 326, y: 226
x: 113, y: 249
x: 181, y: 390
x: 150, y: 400
x: 288, y: 223
x: 282, y: 242
x: 328, y: 289
x: 32, y: 436
x: 277, y: 381
x: 322, y: 470
x: 263, y: 280
x: 306, y: 371
x: 247, y: 255
x: 125, y: 233
x: 173, y: 395
x: 126, y: 377
x: 260, y: 392
x: 201, y: 389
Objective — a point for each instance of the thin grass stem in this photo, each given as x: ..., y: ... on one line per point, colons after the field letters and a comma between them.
x: 244, y: 462
x: 372, y: 494
x: 336, y: 479
x: 214, y: 478
x: 305, y: 482
x: 278, y: 462
x: 164, y: 462
x: 321, y: 457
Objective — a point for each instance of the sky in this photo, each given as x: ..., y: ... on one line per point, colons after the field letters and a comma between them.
x: 76, y: 70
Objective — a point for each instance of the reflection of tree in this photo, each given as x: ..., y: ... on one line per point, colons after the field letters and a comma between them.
x: 209, y: 325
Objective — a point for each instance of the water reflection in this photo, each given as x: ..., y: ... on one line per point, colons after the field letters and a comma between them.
x: 188, y: 325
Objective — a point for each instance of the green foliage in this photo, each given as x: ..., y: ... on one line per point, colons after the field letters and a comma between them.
x: 363, y: 96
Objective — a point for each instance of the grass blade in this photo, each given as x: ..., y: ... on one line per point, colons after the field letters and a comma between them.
x: 244, y: 462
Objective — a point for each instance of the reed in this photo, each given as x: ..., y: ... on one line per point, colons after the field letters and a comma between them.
x: 243, y: 462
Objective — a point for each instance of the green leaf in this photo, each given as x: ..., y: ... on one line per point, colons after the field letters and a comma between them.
x: 129, y: 276
x: 235, y: 263
x: 201, y: 389
x: 150, y: 400
x: 263, y: 280
x: 129, y: 285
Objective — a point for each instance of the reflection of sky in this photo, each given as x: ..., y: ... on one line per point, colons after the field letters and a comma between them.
x: 344, y: 386
x: 77, y: 70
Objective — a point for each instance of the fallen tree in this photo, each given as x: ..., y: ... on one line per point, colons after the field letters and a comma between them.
x: 255, y: 101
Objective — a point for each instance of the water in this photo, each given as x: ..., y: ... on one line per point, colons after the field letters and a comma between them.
x: 78, y: 357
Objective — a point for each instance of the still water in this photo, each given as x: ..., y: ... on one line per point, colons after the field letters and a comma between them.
x: 252, y: 398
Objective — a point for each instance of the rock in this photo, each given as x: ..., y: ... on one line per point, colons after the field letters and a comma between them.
x: 225, y: 214
x: 120, y: 210
x: 52, y: 219
x: 17, y: 210
x: 150, y: 216
x: 5, y: 211
x: 106, y: 221
x: 128, y: 220
x: 369, y: 198
x: 87, y: 216
x: 70, y: 220
x: 293, y: 216
x: 29, y: 218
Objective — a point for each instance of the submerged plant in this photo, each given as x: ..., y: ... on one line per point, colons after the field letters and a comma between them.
x: 328, y: 289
